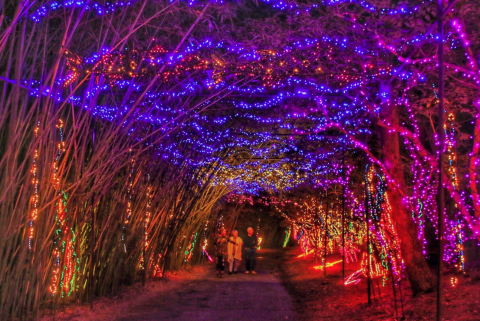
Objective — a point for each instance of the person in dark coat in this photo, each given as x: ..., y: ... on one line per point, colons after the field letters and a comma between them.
x: 251, y: 242
x: 221, y: 251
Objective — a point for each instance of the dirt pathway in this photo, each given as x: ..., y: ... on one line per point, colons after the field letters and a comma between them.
x: 235, y: 297
x: 206, y: 297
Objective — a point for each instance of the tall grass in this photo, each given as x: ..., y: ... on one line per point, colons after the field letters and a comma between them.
x: 101, y: 190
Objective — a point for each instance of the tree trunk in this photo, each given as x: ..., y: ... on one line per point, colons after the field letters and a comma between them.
x: 420, y: 276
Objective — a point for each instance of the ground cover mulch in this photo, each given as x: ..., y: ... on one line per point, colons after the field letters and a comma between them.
x: 317, y: 297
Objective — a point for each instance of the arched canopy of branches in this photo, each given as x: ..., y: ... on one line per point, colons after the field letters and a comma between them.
x: 124, y: 122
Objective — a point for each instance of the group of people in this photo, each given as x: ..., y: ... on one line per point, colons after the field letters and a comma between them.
x: 230, y: 248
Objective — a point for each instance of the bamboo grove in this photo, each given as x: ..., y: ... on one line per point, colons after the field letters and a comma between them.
x: 84, y: 209
x: 112, y: 229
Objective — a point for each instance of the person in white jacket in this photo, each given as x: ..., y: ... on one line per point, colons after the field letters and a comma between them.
x: 234, y: 251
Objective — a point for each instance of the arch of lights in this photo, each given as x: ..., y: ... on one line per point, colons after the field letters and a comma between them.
x: 284, y: 116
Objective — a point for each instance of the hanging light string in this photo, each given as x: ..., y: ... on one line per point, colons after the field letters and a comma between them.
x: 35, y: 197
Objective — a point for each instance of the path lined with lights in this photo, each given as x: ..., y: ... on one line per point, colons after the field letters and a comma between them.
x: 206, y: 297
x: 235, y: 297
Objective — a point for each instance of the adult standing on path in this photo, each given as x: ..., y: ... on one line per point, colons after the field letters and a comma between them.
x: 234, y: 250
x: 221, y: 251
x: 251, y: 244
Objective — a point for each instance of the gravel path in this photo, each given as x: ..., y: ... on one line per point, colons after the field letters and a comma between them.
x: 205, y: 297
